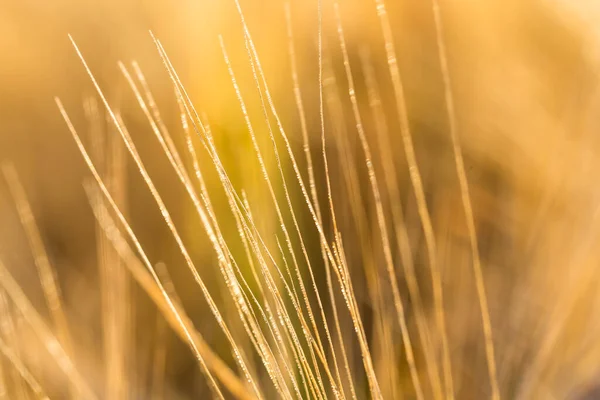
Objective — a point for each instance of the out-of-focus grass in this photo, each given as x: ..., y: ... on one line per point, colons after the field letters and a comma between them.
x: 524, y: 80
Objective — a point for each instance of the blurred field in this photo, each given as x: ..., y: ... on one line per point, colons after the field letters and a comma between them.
x: 522, y: 77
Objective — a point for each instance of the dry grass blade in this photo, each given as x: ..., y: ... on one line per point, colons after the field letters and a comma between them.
x: 380, y: 213
x: 159, y: 359
x: 280, y: 218
x: 147, y: 263
x: 225, y: 260
x: 229, y: 275
x: 156, y: 114
x: 402, y: 239
x: 18, y: 365
x: 49, y: 341
x: 315, y: 199
x: 46, y: 272
x: 466, y: 200
x: 347, y: 290
x: 227, y: 186
x: 8, y: 330
x: 109, y: 155
x: 242, y: 228
x: 569, y: 297
x: 250, y: 231
x: 239, y: 358
x: 170, y: 308
x: 254, y: 61
x: 352, y: 184
x: 415, y: 177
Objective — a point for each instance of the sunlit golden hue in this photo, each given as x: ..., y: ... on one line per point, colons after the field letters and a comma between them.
x: 300, y: 200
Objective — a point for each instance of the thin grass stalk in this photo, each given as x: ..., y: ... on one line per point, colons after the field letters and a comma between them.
x: 234, y: 388
x: 466, y: 201
x: 415, y: 177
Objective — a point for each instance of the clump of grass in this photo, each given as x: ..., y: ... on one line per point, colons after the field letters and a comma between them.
x: 359, y: 283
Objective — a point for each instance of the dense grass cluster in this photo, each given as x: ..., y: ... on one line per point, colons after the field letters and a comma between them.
x: 354, y: 246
